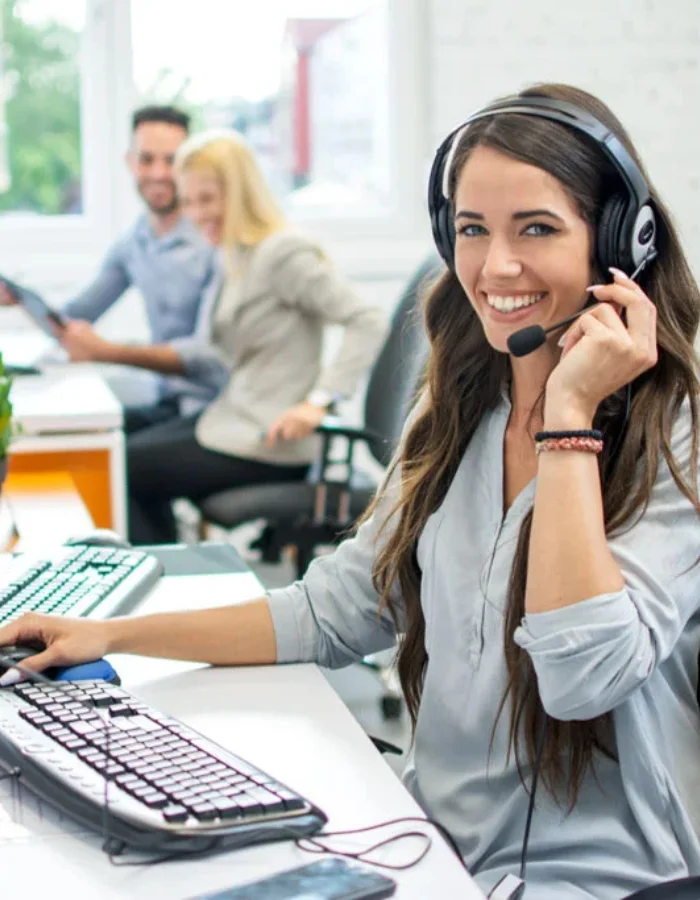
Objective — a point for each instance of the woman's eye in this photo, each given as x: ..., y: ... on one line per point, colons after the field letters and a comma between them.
x: 539, y: 229
x: 471, y: 230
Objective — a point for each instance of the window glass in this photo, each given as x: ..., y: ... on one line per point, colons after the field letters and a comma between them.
x: 40, y: 150
x: 306, y: 83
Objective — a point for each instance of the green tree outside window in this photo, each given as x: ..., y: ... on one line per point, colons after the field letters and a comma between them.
x: 40, y: 115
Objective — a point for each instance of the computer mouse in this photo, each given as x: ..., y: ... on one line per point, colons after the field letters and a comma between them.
x: 98, y: 670
x: 18, y: 652
x: 100, y: 537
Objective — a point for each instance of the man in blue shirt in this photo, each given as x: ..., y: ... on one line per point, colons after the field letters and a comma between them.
x: 174, y: 269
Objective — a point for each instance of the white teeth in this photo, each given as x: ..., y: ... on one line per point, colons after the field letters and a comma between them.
x: 508, y: 304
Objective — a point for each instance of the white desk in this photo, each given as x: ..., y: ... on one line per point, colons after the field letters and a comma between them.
x: 71, y: 421
x: 285, y: 719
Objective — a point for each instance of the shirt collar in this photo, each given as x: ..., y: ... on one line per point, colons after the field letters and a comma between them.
x: 183, y: 232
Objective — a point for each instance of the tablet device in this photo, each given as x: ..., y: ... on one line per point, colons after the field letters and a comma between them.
x: 328, y: 879
x: 45, y: 317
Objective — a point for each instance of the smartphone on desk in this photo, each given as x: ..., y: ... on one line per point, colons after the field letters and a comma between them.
x: 327, y: 879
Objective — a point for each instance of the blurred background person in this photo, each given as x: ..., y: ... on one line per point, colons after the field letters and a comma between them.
x: 167, y: 260
x: 278, y: 292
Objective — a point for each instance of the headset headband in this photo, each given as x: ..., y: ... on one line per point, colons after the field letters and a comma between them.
x: 626, y: 226
x: 567, y: 114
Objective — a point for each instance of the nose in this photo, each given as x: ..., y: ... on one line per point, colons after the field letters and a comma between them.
x: 195, y: 212
x: 161, y: 170
x: 500, y: 261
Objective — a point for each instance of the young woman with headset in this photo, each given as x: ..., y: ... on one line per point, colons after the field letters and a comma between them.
x: 535, y: 545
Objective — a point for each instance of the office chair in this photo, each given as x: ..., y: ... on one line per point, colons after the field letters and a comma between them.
x: 317, y: 512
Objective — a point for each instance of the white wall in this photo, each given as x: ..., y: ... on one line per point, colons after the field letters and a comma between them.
x: 642, y: 57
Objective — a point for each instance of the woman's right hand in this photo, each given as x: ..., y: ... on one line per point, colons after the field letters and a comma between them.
x: 67, y: 642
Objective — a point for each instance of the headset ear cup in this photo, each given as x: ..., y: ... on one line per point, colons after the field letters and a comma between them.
x: 439, y: 206
x: 447, y: 234
x: 608, y: 239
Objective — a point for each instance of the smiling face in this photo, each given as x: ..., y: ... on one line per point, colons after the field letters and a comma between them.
x: 522, y: 252
x: 151, y: 162
x: 202, y: 200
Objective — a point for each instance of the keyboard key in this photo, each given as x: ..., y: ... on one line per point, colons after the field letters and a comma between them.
x: 227, y: 809
x: 291, y: 801
x: 102, y: 700
x: 127, y: 778
x: 156, y: 801
x: 249, y: 805
x: 205, y: 812
x: 175, y: 814
x: 83, y: 727
x: 145, y: 723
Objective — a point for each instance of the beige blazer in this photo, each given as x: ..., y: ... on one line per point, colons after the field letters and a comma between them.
x: 268, y: 329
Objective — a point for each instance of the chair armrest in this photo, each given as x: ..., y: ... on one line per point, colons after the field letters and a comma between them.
x: 330, y: 429
x: 336, y: 427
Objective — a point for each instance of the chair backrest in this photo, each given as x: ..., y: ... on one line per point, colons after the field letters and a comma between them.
x: 399, y: 366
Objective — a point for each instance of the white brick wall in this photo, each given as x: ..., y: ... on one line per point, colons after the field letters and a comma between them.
x: 642, y: 57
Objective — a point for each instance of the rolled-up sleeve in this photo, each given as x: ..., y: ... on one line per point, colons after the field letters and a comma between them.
x: 202, y: 362
x: 332, y: 615
x: 590, y: 656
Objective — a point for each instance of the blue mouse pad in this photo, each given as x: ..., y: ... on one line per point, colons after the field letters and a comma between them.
x: 99, y: 670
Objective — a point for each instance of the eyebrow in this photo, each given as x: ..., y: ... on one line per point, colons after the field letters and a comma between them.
x: 522, y: 214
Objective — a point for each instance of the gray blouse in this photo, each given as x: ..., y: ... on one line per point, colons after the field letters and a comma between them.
x: 633, y: 652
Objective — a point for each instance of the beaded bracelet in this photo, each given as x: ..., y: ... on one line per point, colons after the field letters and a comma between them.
x: 582, y: 433
x: 585, y: 444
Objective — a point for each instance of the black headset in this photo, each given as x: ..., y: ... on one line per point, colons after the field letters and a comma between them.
x: 626, y: 229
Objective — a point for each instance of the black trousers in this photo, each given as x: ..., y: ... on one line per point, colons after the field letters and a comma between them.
x: 165, y: 462
x: 138, y: 417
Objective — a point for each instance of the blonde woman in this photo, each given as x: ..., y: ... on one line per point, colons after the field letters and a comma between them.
x: 276, y: 292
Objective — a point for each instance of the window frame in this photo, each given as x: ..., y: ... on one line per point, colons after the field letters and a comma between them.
x: 102, y: 150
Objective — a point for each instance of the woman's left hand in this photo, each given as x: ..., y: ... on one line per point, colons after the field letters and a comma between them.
x: 601, y: 354
x: 295, y: 423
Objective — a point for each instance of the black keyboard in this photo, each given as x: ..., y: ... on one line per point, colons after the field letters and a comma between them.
x: 170, y: 789
x: 96, y: 582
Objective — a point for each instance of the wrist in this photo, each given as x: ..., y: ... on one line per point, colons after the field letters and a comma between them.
x: 321, y: 399
x: 113, y: 353
x: 562, y: 414
x: 116, y: 634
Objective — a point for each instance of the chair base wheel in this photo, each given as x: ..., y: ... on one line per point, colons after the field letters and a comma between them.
x: 391, y: 707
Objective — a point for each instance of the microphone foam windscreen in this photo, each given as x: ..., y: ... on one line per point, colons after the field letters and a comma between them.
x: 522, y: 342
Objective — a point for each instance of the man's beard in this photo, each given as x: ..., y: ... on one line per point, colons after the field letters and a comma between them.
x: 163, y: 209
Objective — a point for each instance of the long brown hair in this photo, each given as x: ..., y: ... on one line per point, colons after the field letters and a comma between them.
x: 463, y: 382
